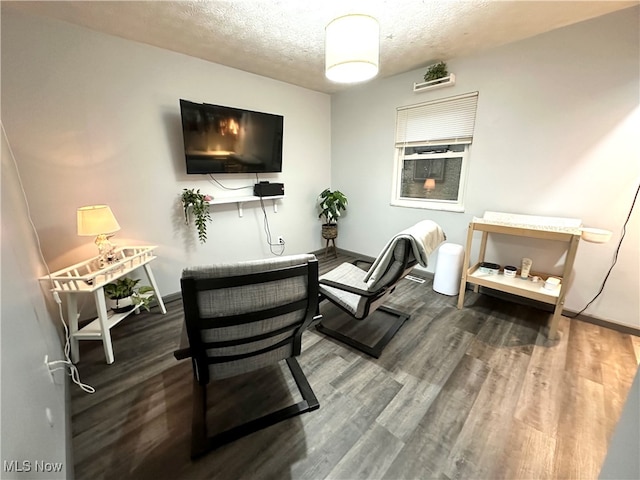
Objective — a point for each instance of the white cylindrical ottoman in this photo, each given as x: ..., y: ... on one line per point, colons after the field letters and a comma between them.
x: 448, y: 269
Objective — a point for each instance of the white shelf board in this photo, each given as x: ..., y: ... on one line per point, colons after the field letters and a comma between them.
x: 240, y: 201
x: 447, y: 81
x: 92, y: 331
x: 515, y: 285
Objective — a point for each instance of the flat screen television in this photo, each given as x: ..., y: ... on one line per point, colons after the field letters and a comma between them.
x: 220, y: 139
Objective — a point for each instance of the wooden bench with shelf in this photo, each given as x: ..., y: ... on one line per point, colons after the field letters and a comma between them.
x: 566, y: 230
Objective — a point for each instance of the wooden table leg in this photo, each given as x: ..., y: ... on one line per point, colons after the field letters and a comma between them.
x: 566, y: 274
x: 465, y: 268
x: 72, y: 318
x: 326, y: 250
x: 154, y: 285
x: 101, y: 306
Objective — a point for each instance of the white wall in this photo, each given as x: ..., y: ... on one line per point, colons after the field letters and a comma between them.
x: 28, y: 333
x: 95, y: 119
x: 556, y: 134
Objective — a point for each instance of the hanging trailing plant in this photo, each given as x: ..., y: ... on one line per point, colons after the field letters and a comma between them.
x: 436, y: 71
x: 198, y: 204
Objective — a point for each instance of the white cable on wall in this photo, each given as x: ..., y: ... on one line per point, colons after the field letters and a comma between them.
x: 59, y: 364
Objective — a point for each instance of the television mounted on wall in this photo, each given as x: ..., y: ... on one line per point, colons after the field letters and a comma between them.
x: 219, y: 139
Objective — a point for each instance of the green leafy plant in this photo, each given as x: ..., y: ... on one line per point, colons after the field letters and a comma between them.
x: 127, y: 287
x: 198, y: 203
x: 331, y: 204
x: 436, y: 71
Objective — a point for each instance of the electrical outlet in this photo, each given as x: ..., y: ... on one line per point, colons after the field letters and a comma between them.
x: 280, y: 240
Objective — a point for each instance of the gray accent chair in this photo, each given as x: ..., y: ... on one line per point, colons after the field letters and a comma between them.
x: 360, y: 292
x: 241, y: 317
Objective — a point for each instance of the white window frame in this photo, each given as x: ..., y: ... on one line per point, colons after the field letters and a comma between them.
x: 446, y: 121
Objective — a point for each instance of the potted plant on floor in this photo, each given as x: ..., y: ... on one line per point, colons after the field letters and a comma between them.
x: 199, y: 204
x: 124, y: 295
x: 331, y: 203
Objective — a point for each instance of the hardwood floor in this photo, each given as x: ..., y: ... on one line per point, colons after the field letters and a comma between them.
x: 472, y: 393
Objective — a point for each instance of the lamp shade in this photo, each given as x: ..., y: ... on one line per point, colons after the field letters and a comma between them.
x: 429, y: 184
x: 96, y: 220
x: 352, y: 48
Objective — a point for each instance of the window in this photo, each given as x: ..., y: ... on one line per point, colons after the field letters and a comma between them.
x: 432, y: 150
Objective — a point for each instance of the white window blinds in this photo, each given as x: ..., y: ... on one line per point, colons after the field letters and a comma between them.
x: 447, y: 120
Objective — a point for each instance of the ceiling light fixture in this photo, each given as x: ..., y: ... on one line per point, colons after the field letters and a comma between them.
x: 352, y: 48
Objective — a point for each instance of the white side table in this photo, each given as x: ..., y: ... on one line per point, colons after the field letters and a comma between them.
x: 87, y: 277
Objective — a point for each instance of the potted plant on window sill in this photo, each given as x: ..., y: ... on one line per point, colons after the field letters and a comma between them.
x: 331, y: 204
x: 124, y: 295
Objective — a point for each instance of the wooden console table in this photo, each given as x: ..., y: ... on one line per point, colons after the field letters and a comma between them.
x: 88, y: 278
x: 546, y: 228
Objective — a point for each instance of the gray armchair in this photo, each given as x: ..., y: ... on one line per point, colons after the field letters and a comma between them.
x: 361, y: 292
x: 239, y: 318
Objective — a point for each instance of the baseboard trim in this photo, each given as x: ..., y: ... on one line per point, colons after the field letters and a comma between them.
x: 603, y: 323
x: 172, y: 297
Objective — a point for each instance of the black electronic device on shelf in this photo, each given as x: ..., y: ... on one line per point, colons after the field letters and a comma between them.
x: 219, y: 139
x: 266, y: 189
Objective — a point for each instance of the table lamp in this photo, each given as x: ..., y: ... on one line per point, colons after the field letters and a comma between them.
x: 429, y: 185
x: 98, y: 220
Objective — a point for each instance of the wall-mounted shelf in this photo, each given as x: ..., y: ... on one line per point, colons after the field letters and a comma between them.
x: 447, y: 81
x: 240, y: 201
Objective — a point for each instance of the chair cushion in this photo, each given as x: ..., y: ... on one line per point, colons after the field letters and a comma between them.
x: 346, y: 274
x: 244, y: 299
x: 422, y: 239
x: 247, y: 298
x: 237, y: 367
x: 393, y: 268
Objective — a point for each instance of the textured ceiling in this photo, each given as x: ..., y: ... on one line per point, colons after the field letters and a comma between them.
x: 284, y: 39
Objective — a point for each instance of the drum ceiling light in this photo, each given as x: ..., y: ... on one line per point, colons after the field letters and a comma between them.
x: 352, y: 48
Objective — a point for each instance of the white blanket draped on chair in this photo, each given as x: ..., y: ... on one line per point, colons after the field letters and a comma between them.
x: 424, y: 237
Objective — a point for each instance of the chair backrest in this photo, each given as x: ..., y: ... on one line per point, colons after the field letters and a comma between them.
x: 401, y: 262
x: 411, y: 246
x: 243, y: 316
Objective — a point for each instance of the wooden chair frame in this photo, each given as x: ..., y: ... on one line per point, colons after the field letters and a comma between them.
x: 374, y: 302
x: 201, y: 441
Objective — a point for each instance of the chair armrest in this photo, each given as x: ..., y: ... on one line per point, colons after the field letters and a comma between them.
x: 358, y: 261
x: 350, y: 289
x: 182, y: 353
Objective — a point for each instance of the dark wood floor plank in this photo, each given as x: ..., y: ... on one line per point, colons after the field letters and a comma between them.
x: 583, y: 351
x: 529, y: 454
x: 427, y: 450
x: 539, y: 403
x: 472, y: 393
x: 370, y: 458
x: 581, y: 439
x: 485, y: 433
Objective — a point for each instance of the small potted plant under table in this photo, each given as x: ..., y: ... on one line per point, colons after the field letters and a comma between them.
x: 124, y: 295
